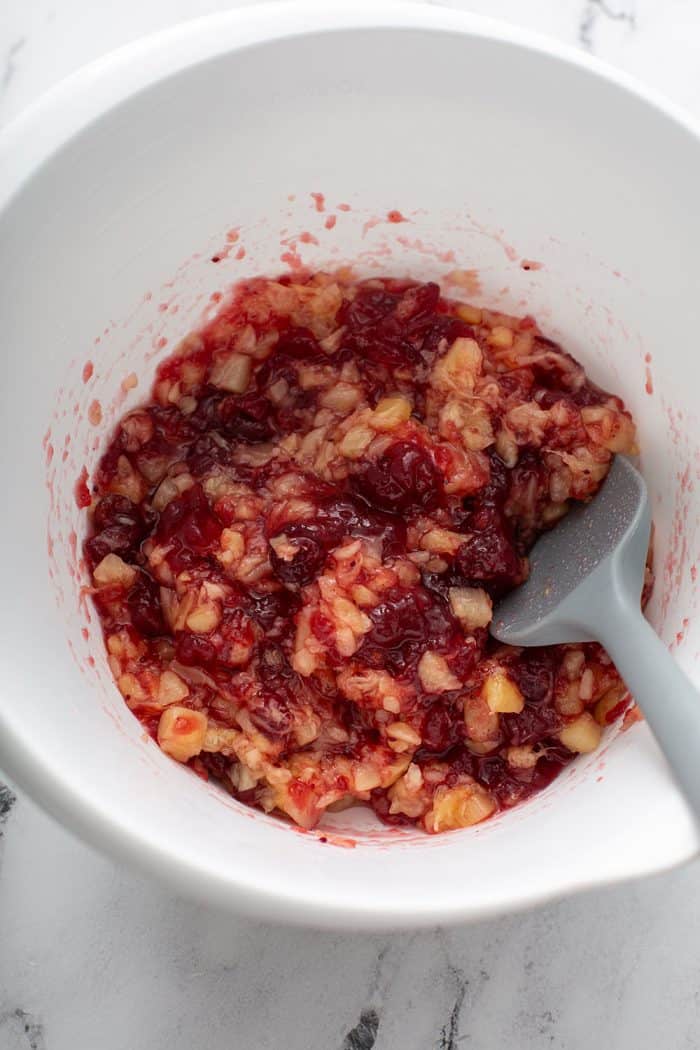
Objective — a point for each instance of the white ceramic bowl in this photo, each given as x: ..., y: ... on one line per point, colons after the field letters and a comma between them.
x: 120, y: 185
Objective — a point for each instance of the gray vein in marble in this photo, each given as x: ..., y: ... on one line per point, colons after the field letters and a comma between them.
x: 364, y: 1035
x: 10, y: 67
x: 7, y: 801
x: 448, y: 1038
x: 591, y: 14
x: 22, y: 1029
x: 468, y: 990
x: 448, y: 1033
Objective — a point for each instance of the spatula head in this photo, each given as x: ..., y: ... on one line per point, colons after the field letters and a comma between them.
x: 598, y: 545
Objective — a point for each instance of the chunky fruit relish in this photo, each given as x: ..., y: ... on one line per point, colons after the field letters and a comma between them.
x: 296, y: 545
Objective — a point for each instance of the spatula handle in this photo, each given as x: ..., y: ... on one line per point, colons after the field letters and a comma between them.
x: 670, y: 703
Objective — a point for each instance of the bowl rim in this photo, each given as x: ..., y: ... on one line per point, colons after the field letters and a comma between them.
x: 31, y: 138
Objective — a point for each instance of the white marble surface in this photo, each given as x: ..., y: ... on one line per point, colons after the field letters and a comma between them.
x: 93, y: 956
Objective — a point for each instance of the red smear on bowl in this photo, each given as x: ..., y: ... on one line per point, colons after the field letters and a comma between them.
x: 81, y: 491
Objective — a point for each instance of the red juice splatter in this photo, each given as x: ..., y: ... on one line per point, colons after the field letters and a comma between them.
x: 370, y: 224
x: 292, y: 258
x: 81, y: 490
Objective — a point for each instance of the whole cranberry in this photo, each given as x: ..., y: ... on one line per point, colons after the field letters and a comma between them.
x: 385, y: 327
x: 246, y: 418
x: 306, y: 563
x: 533, y: 673
x: 190, y: 522
x: 143, y: 603
x: 488, y: 557
x: 349, y: 516
x: 533, y: 724
x: 404, y: 625
x: 442, y: 728
x: 273, y: 605
x: 403, y: 479
x: 194, y: 650
x: 119, y: 529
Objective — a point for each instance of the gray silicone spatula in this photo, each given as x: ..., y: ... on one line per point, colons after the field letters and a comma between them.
x: 585, y: 584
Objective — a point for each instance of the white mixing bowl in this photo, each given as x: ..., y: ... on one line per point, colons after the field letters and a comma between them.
x: 118, y: 188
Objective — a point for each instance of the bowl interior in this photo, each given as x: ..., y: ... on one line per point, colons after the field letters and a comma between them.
x: 524, y: 182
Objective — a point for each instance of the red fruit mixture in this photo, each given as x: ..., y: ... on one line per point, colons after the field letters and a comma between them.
x: 296, y: 544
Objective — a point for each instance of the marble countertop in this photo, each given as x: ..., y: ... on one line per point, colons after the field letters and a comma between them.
x: 92, y: 955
